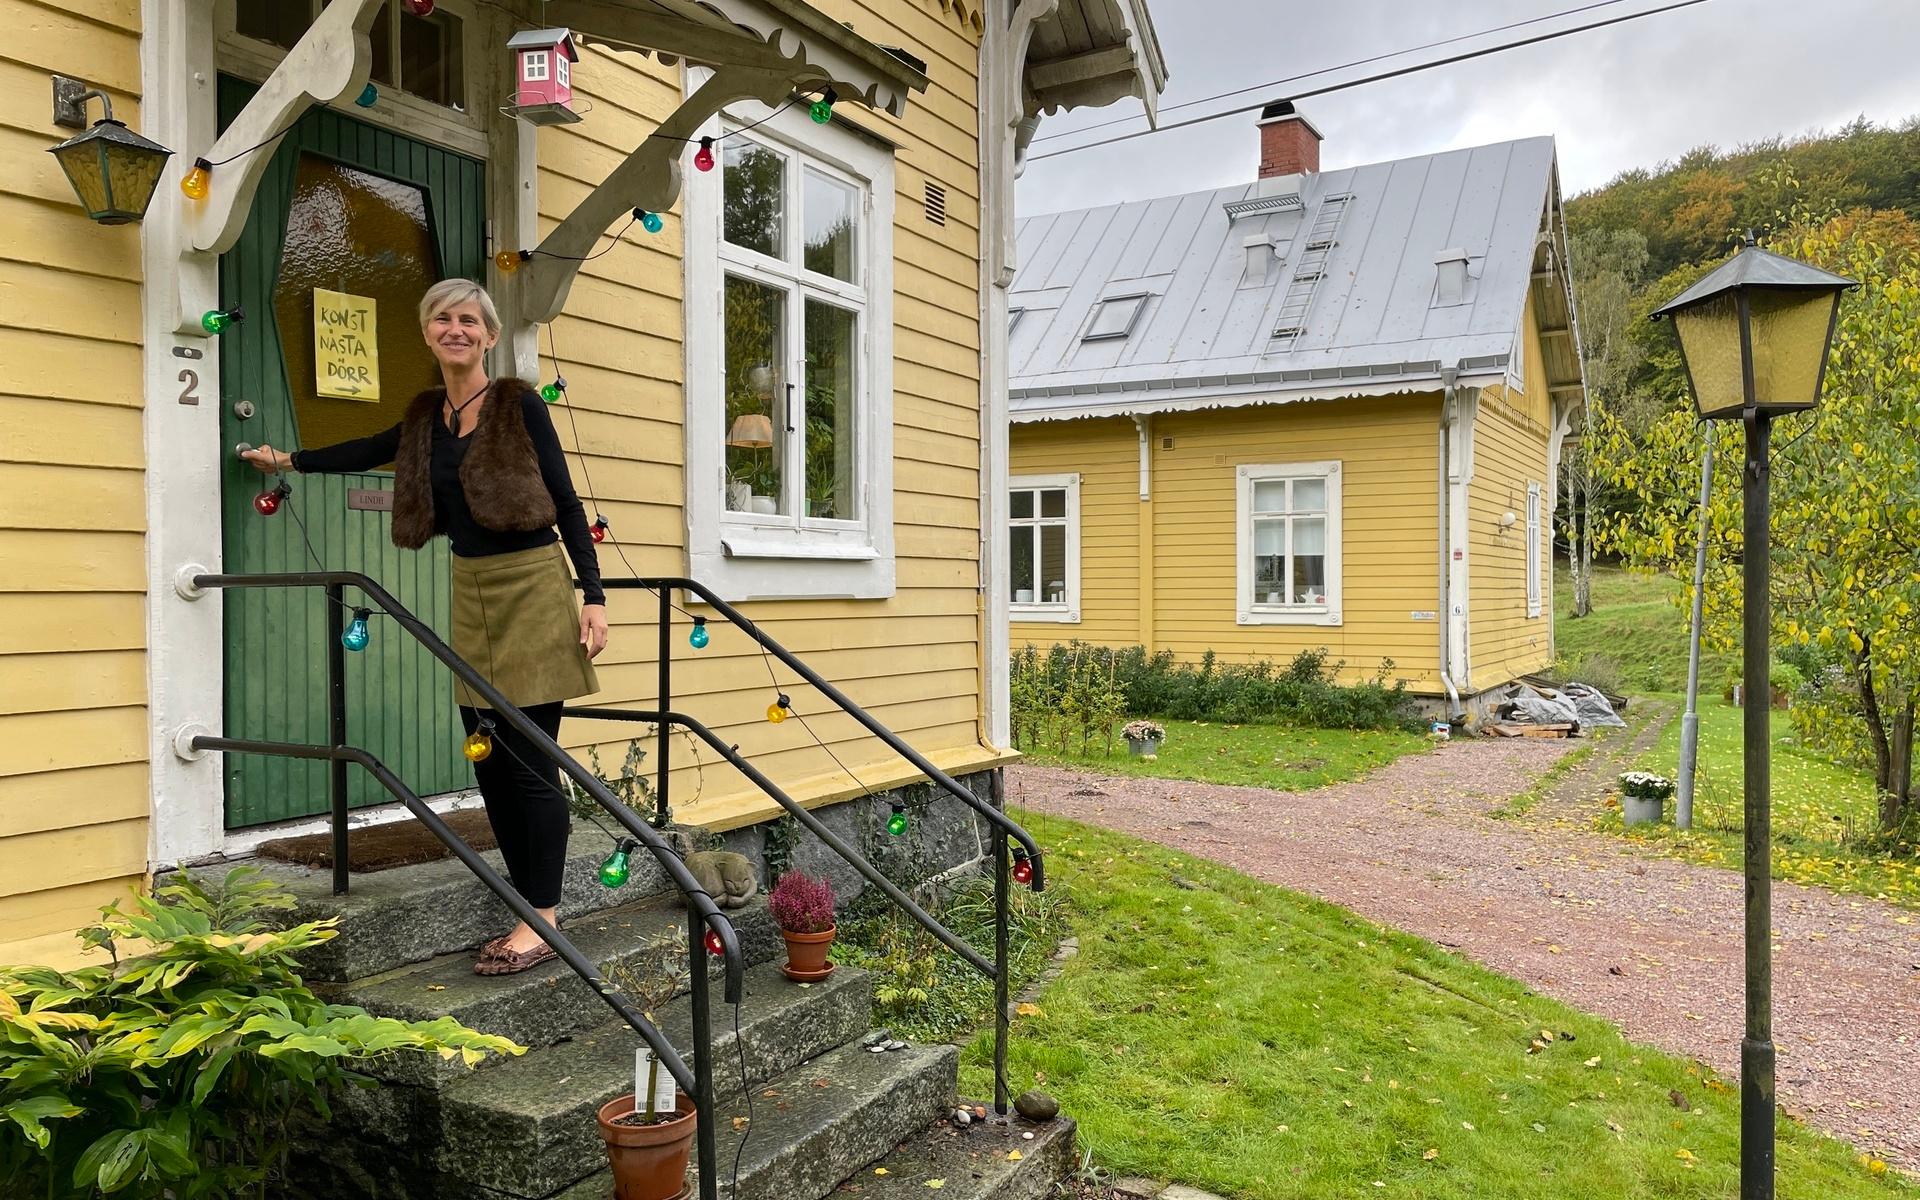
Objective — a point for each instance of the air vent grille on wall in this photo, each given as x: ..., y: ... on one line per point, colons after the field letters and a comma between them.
x: 936, y: 203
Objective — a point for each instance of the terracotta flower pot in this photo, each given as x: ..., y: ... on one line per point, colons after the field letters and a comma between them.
x: 649, y: 1161
x: 807, y: 955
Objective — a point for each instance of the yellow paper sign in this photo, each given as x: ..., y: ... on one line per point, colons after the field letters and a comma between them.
x: 346, y: 346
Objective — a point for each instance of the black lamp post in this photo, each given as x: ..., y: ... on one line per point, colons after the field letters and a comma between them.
x: 112, y: 169
x: 1754, y: 336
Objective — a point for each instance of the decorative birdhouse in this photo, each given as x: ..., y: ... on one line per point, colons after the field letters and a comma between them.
x: 543, y: 76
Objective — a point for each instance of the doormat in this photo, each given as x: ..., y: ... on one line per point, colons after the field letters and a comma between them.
x: 383, y: 847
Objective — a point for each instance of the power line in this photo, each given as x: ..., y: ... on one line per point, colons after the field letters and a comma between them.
x: 1358, y: 62
x: 1384, y: 75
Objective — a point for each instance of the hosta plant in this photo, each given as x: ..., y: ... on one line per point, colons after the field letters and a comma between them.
x: 177, y: 1072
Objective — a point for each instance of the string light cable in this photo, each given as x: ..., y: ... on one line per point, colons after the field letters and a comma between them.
x: 1396, y: 73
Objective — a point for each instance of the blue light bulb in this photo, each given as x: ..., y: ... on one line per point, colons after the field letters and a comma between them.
x: 699, y: 638
x: 368, y: 96
x: 652, y: 222
x: 357, y: 635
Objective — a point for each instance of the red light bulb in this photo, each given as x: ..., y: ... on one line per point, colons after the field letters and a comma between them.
x: 268, y: 503
x: 1023, y: 870
x: 715, y: 946
x: 599, y: 529
x: 419, y: 8
x: 703, y: 157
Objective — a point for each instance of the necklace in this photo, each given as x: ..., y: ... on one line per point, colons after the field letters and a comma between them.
x: 454, y: 410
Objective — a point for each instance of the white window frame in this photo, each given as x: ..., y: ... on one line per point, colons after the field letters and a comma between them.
x: 1250, y: 613
x: 1067, y: 612
x: 1534, y: 605
x: 534, y: 66
x: 748, y: 556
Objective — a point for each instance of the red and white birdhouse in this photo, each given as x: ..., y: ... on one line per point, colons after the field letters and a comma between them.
x: 543, y: 76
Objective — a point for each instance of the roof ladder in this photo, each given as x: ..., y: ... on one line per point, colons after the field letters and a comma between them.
x: 1309, y: 271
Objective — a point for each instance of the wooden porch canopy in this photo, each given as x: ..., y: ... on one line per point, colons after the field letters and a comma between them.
x: 763, y: 50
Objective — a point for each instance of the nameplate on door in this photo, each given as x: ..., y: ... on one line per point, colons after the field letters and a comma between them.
x: 370, y: 499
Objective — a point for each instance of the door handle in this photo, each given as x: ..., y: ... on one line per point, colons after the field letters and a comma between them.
x: 789, y: 408
x: 243, y: 409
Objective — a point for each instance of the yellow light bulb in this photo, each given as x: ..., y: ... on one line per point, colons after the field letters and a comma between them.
x: 477, y: 747
x: 776, y: 713
x: 508, y: 261
x: 198, y: 180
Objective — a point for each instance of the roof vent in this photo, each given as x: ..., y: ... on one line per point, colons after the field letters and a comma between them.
x: 1450, y: 283
x: 1260, y: 251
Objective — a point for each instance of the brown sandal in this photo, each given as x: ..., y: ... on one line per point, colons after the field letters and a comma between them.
x: 509, y: 962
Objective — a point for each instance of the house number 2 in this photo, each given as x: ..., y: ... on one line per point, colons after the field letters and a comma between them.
x: 189, y: 382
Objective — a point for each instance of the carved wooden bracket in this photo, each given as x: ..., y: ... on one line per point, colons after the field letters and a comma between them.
x: 330, y: 61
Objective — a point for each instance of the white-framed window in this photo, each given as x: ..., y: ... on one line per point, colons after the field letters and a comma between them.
x: 1114, y: 317
x: 565, y: 71
x: 533, y: 65
x: 1288, y: 543
x: 1043, y: 548
x: 790, y: 360
x: 1533, y: 550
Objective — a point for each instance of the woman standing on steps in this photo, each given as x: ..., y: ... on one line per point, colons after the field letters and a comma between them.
x: 478, y: 461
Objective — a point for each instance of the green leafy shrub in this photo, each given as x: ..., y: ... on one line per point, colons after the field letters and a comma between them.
x: 177, y: 1072
x: 1305, y: 691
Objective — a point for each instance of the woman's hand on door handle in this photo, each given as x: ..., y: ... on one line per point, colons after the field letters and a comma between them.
x: 268, y: 460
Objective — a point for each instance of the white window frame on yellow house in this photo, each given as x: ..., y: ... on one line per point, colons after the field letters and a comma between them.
x: 1534, y: 590
x: 1253, y: 610
x: 1066, y: 610
x: 751, y: 556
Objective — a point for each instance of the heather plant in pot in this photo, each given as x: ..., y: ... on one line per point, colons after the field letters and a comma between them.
x: 649, y: 1132
x: 802, y: 906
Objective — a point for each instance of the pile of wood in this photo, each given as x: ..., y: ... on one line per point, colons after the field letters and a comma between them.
x: 1533, y: 731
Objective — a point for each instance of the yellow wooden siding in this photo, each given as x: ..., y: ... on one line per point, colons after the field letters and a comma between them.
x: 73, y: 726
x: 620, y: 346
x: 1105, y: 454
x: 1510, y: 452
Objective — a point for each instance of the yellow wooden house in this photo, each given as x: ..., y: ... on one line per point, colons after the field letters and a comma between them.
x: 338, y: 157
x: 1321, y: 409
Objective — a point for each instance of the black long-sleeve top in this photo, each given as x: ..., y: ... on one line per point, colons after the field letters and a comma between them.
x: 469, y: 538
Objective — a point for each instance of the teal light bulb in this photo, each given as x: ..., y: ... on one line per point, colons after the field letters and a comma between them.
x: 652, y: 222
x: 357, y: 635
x: 368, y: 95
x: 550, y: 392
x: 698, y: 637
x: 616, y: 867
x: 897, y: 823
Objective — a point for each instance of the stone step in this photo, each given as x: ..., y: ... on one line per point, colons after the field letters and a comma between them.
x: 528, y: 1129
x: 548, y: 1003
x: 831, y: 1116
x: 411, y: 914
x: 972, y: 1162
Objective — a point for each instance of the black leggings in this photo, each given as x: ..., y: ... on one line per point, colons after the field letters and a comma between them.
x: 525, y: 805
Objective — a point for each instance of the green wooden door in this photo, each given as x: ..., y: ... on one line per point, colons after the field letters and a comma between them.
x: 352, y: 209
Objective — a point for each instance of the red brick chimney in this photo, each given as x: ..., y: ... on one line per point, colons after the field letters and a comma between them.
x: 1289, y: 144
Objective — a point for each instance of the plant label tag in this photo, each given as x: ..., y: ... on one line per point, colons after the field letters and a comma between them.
x: 664, y: 1090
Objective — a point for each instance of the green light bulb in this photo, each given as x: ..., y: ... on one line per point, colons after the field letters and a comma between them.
x: 550, y: 392
x: 821, y: 111
x: 897, y: 823
x: 616, y: 867
x: 218, y: 321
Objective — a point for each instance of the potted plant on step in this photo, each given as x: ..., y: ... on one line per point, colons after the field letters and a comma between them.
x: 1643, y: 796
x: 802, y: 906
x: 649, y: 1132
x: 1144, y: 738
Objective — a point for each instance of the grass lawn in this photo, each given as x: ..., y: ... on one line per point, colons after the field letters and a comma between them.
x: 1284, y: 757
x: 1244, y: 1039
x: 1638, y: 624
x: 1819, y: 810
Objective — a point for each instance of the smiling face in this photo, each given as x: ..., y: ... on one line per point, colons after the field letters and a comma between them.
x: 458, y: 336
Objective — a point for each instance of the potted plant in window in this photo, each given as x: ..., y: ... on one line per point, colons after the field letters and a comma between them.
x: 1144, y: 737
x: 649, y: 1132
x: 1643, y: 796
x: 802, y: 906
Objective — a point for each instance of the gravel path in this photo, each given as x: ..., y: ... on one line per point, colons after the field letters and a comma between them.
x: 1652, y: 944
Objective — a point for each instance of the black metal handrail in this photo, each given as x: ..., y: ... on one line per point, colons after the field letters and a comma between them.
x: 994, y: 812
x: 703, y: 915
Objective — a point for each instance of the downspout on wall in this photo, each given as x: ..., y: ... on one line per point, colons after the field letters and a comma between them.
x: 1449, y: 380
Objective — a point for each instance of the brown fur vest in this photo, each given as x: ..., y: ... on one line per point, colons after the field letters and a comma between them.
x: 501, y: 475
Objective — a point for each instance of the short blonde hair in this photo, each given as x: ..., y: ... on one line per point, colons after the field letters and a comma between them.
x: 451, y: 293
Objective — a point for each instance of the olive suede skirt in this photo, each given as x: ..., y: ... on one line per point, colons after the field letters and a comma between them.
x: 516, y: 618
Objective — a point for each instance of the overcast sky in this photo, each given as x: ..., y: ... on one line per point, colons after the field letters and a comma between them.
x: 1721, y: 72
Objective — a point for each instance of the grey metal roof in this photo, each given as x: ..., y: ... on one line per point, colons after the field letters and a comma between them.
x: 1224, y: 270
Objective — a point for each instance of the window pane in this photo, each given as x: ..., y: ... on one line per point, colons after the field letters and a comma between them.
x: 431, y: 65
x: 281, y: 23
x: 831, y: 403
x: 754, y: 184
x: 1053, y: 564
x: 1269, y: 561
x: 1022, y: 552
x: 1270, y: 496
x: 1023, y: 504
x: 1309, y: 561
x: 830, y: 208
x: 1310, y: 535
x: 1053, y: 502
x: 1113, y: 318
x: 1269, y: 537
x: 755, y: 394
x: 1309, y: 495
